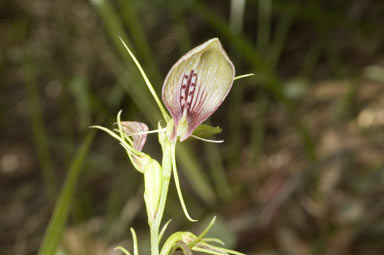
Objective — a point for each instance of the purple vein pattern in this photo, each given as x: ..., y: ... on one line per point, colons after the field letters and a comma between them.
x: 197, y: 85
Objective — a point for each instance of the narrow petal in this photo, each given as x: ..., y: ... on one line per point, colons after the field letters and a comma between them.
x: 137, y: 131
x: 197, y: 85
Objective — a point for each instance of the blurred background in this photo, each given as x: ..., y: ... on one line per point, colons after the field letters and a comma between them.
x: 301, y: 168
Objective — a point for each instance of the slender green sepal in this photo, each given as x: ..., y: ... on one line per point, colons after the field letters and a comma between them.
x: 213, y: 240
x: 110, y: 132
x: 207, y: 140
x: 243, y: 76
x: 134, y: 239
x: 209, y: 251
x: 213, y: 252
x: 120, y: 127
x: 205, y: 231
x: 212, y: 249
x: 163, y: 229
x: 149, y: 85
x: 176, y: 177
x: 123, y: 143
x: 122, y: 249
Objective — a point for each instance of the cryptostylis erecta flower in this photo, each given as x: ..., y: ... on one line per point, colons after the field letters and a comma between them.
x: 196, y: 86
x: 132, y: 136
x: 136, y: 135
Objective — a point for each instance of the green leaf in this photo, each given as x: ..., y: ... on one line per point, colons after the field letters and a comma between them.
x: 206, y: 131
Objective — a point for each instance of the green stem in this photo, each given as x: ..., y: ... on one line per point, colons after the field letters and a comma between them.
x: 154, y: 239
x: 166, y: 177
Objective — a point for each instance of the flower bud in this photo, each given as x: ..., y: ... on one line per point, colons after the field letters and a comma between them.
x: 152, y: 181
x: 136, y: 134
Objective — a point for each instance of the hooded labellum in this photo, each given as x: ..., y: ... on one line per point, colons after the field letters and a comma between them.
x: 136, y: 133
x: 196, y: 86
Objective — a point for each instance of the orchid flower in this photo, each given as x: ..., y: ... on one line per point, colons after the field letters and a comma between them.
x: 132, y: 136
x: 196, y: 86
x: 135, y: 133
x: 150, y: 167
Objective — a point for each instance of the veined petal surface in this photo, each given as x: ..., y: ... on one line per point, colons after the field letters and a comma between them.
x: 196, y: 86
x: 137, y: 131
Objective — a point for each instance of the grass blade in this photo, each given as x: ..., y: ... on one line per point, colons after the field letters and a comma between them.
x: 267, y: 76
x: 130, y: 18
x: 53, y: 234
x: 39, y: 132
x: 264, y: 25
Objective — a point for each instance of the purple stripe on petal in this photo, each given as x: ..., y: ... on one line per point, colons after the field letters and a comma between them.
x: 130, y: 128
x: 197, y: 85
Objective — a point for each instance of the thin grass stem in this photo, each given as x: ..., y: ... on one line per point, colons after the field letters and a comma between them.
x: 55, y: 229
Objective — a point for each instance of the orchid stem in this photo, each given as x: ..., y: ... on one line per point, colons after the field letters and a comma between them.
x: 166, y: 177
x: 154, y: 239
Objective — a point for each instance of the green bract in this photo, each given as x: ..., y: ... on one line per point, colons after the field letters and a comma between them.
x: 152, y: 181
